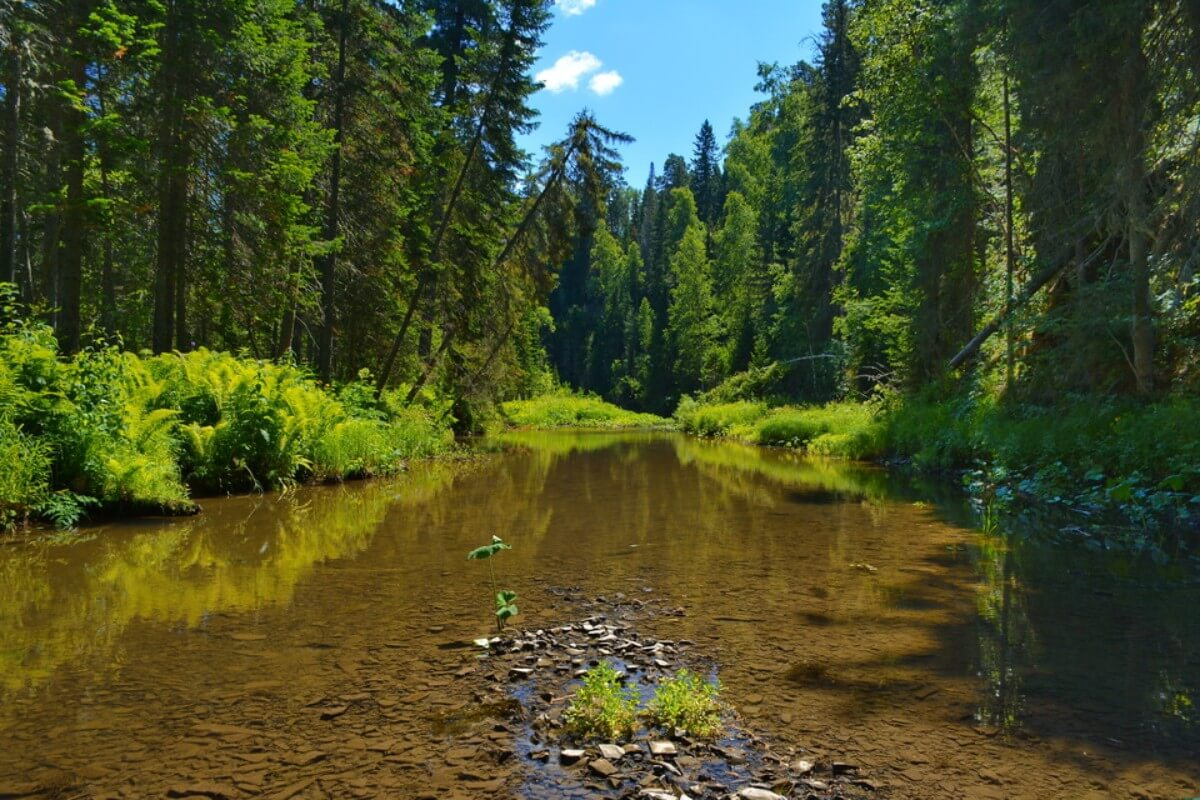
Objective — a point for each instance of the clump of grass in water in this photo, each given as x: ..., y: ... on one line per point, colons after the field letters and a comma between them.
x: 688, y: 703
x: 602, y: 708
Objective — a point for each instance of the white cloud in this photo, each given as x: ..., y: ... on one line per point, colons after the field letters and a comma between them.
x: 567, y: 71
x: 574, y: 8
x: 603, y: 83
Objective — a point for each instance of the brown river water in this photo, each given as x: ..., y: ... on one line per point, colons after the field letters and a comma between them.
x: 299, y: 645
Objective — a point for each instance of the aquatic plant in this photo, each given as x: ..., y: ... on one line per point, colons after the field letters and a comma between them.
x: 602, y: 708
x: 506, y: 601
x: 688, y: 703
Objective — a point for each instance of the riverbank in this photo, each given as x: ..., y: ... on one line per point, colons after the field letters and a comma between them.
x: 565, y: 409
x: 1124, y: 466
x: 1124, y: 463
x: 108, y: 432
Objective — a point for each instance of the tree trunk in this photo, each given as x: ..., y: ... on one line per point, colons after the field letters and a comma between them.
x: 10, y: 168
x: 1137, y: 230
x: 108, y: 281
x: 172, y: 186
x: 75, y: 212
x: 332, y: 209
x: 1010, y: 260
x: 52, y: 222
x: 1143, y: 324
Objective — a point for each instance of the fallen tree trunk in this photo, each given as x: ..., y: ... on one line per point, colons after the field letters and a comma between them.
x: 997, y: 322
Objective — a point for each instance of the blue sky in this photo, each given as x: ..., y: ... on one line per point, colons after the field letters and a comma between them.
x: 656, y: 69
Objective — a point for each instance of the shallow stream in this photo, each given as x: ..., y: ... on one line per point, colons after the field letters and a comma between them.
x: 853, y: 615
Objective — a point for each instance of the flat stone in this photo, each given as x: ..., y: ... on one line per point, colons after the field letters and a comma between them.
x: 755, y: 793
x: 303, y: 759
x: 662, y: 748
x: 570, y: 756
x: 802, y: 767
x: 612, y: 752
x: 602, y: 767
x: 334, y: 711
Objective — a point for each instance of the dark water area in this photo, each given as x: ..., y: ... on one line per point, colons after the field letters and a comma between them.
x: 850, y: 613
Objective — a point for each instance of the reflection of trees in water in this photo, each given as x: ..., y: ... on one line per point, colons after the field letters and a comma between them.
x: 63, y: 602
x: 1081, y: 641
x: 1006, y: 641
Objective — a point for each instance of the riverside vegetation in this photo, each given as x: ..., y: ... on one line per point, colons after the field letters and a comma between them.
x: 117, y: 432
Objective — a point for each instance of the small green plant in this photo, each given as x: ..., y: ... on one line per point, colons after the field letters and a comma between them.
x: 689, y: 703
x: 602, y: 708
x: 506, y: 601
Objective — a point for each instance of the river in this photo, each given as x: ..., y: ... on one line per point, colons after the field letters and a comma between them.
x: 853, y: 613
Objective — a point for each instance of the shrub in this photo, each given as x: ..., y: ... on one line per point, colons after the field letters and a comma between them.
x: 602, y: 708
x: 689, y: 703
x: 25, y: 476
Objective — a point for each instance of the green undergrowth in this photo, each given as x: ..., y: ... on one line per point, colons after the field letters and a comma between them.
x: 567, y: 410
x: 1096, y: 455
x: 837, y: 430
x: 116, y: 432
x: 603, y: 707
x: 689, y: 703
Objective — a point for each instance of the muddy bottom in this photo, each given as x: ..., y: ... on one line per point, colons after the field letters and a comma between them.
x: 310, y: 645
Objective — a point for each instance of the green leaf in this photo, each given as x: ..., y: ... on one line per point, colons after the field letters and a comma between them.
x: 1172, y: 482
x: 504, y: 598
x: 480, y: 552
x: 506, y: 613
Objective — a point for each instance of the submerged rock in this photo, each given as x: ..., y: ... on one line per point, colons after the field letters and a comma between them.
x: 755, y: 793
x: 612, y: 752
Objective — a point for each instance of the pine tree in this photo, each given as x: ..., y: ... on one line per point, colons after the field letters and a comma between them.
x: 706, y: 175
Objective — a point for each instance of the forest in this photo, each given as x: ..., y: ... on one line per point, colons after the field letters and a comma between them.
x: 961, y: 223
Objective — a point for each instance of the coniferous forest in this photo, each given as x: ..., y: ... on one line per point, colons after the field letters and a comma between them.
x: 878, y: 392
x: 971, y: 215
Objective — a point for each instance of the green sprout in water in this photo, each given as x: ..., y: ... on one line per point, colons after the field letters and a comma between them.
x: 602, y: 708
x: 506, y: 601
x: 688, y: 703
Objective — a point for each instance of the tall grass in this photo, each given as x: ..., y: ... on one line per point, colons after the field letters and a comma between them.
x: 566, y: 410
x: 1140, y: 458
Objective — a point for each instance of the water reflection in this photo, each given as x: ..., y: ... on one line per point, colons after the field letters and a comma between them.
x: 73, y: 602
x: 855, y: 611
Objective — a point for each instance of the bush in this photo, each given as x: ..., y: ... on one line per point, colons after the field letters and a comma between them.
x: 602, y: 708
x: 25, y: 476
x: 688, y: 703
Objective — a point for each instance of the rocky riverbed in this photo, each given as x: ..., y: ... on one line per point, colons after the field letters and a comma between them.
x: 524, y: 681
